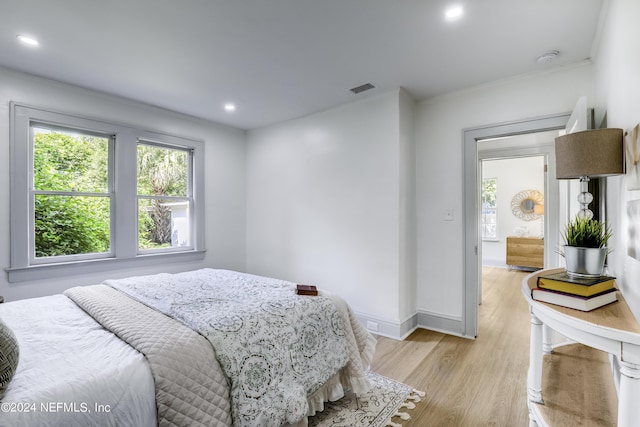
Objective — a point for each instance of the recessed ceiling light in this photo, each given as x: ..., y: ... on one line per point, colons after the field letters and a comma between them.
x: 29, y: 41
x: 229, y: 107
x: 453, y: 13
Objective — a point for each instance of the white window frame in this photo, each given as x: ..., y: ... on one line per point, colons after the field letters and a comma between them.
x: 188, y: 197
x: 33, y: 260
x: 124, y: 212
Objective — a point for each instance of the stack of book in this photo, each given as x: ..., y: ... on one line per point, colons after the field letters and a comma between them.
x: 577, y: 292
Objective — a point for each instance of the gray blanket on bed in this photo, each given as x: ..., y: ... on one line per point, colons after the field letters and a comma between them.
x: 190, y: 387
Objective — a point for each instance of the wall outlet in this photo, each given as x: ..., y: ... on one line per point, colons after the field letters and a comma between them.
x: 447, y: 215
x: 372, y: 326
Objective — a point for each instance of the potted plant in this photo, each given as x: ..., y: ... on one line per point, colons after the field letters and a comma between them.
x: 585, y: 247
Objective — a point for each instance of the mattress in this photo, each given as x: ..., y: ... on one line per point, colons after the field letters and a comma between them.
x: 72, y: 371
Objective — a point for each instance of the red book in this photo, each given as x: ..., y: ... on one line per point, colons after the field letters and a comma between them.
x: 576, y: 302
x: 306, y: 290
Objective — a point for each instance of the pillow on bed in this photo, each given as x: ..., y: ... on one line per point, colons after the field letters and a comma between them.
x: 9, y: 353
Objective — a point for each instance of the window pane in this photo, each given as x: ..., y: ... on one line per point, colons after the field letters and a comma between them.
x: 71, y: 225
x: 489, y: 208
x: 162, y: 171
x: 489, y: 224
x: 163, y: 224
x: 64, y: 161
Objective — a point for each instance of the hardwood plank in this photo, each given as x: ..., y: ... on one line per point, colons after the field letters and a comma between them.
x: 576, y: 373
x: 480, y: 382
x: 413, y: 351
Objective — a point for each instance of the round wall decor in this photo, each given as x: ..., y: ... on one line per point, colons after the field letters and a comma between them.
x: 524, y: 202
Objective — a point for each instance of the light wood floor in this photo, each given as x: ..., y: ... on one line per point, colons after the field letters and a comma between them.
x: 472, y: 383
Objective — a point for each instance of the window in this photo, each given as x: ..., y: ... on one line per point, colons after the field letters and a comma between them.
x: 90, y: 193
x: 164, y: 219
x: 70, y: 194
x: 489, y: 209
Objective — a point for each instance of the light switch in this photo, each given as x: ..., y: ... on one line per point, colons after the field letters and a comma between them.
x: 448, y: 215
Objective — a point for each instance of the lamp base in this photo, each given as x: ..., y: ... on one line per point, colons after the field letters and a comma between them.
x: 584, y: 198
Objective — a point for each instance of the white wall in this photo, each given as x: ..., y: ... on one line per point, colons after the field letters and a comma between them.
x: 617, y: 91
x: 324, y: 203
x: 224, y: 180
x: 513, y: 175
x: 439, y: 125
x: 325, y: 193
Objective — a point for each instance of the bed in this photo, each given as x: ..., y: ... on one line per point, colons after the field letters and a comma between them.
x: 206, y: 347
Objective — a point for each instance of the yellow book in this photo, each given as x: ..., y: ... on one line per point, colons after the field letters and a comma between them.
x: 583, y: 286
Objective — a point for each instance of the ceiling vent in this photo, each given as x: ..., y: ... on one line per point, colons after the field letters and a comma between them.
x: 361, y: 88
x: 548, y: 56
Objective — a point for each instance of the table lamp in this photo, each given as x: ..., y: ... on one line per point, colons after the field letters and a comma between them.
x: 589, y: 154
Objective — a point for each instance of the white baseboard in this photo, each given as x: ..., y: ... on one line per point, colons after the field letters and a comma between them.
x: 423, y: 319
x: 388, y: 328
x: 439, y: 322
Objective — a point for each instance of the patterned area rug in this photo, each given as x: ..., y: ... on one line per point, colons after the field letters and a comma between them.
x: 383, y: 406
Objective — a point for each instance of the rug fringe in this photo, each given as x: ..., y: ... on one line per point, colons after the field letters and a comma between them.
x: 415, y: 396
x: 408, y: 405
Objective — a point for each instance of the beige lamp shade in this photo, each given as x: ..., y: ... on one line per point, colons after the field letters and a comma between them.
x: 593, y: 153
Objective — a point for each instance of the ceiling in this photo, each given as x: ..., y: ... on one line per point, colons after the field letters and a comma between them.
x: 281, y: 59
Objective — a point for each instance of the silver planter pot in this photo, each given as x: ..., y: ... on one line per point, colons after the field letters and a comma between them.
x: 585, y: 261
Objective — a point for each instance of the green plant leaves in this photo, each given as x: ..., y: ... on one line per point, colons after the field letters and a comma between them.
x: 587, y: 233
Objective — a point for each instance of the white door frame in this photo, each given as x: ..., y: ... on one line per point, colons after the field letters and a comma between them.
x: 470, y: 205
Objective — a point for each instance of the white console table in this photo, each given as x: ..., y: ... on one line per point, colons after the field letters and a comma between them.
x: 611, y: 328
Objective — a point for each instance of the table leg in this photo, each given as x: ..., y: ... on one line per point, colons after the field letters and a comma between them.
x: 547, y: 336
x: 534, y: 380
x: 629, y: 395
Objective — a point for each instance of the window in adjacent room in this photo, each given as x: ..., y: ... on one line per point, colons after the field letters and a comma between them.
x: 489, y: 209
x: 89, y: 195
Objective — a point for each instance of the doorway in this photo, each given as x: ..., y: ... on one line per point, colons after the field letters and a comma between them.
x: 512, y: 229
x: 512, y: 204
x: 497, y: 136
